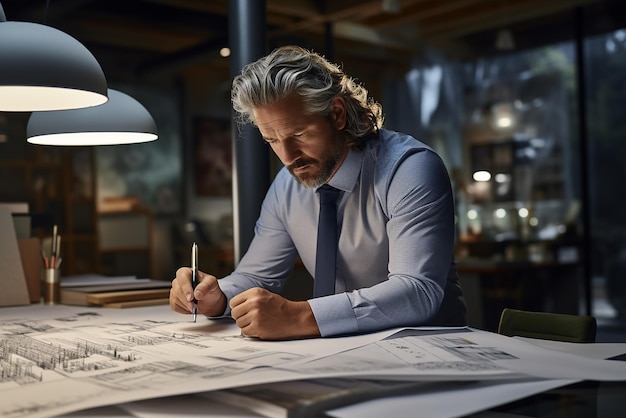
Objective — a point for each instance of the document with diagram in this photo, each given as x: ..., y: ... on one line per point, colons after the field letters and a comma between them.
x: 57, y: 359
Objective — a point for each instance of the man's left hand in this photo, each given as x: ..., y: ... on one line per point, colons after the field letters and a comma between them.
x: 268, y: 316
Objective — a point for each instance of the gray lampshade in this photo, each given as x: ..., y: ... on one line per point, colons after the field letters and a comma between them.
x: 121, y: 120
x: 42, y: 68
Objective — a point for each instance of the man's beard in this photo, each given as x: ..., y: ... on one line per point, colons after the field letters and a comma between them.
x: 327, y: 165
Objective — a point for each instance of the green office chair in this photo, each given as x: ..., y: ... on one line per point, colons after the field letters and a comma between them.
x: 548, y: 326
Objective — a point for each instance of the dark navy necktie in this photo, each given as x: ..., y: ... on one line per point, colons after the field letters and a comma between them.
x: 326, y: 255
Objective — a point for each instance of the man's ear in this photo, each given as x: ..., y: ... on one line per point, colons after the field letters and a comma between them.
x: 338, y: 112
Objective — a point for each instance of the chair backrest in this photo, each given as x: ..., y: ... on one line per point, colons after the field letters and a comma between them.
x: 548, y: 326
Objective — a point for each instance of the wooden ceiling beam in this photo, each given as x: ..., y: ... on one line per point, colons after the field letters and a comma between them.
x: 122, y: 34
x: 420, y: 12
x: 36, y: 13
x: 356, y: 11
x: 295, y: 9
x: 343, y: 15
x: 488, y: 17
x: 219, y: 7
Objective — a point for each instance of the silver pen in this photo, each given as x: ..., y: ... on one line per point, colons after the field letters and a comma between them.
x: 194, y: 277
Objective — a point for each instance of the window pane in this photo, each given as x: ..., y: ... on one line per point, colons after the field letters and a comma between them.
x: 605, y: 58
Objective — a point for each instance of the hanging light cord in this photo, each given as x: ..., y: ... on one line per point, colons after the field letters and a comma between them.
x: 45, y: 12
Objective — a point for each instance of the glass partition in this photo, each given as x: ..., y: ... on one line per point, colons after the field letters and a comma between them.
x: 605, y: 95
x: 519, y: 184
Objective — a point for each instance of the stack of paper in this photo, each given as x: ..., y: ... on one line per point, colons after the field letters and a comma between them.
x: 114, y: 292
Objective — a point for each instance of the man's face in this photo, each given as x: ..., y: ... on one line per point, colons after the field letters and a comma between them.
x: 310, y: 146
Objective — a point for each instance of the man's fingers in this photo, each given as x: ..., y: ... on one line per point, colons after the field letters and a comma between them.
x: 178, y: 301
x: 183, y: 309
x: 210, y: 298
x: 236, y: 301
x: 182, y: 294
x: 204, y: 287
x: 245, y: 324
x: 183, y: 283
x: 247, y: 295
x: 185, y: 288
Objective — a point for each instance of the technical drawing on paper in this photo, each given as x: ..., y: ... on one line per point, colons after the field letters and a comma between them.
x: 115, y: 356
x: 440, y: 353
x: 85, y: 359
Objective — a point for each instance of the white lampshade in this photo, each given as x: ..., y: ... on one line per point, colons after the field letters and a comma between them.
x: 121, y: 120
x: 42, y: 68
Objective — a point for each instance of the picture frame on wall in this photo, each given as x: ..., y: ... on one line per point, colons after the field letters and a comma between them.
x: 213, y: 166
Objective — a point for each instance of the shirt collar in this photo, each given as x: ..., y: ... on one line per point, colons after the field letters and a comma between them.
x: 346, y: 176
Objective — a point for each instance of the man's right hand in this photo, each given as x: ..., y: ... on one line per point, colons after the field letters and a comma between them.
x: 211, y: 300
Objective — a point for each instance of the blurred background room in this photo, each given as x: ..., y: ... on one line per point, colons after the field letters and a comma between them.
x: 521, y: 98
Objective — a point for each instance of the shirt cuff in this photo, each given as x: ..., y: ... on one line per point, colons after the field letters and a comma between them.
x: 334, y: 315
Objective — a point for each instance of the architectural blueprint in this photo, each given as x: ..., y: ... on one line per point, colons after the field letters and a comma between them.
x: 56, y: 359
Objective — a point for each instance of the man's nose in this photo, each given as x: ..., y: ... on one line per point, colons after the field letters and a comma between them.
x: 288, y: 152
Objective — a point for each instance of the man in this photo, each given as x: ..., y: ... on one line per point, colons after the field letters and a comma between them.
x: 395, y: 264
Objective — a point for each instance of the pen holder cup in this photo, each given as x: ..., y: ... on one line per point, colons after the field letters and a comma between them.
x: 51, y: 282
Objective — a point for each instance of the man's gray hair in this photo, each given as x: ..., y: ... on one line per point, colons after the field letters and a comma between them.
x: 291, y: 69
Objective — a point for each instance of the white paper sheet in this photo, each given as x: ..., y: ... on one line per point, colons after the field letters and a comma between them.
x: 62, y: 359
x: 454, y: 402
x: 83, y: 280
x: 415, y: 354
x: 553, y: 364
x: 596, y: 351
x: 476, y: 396
x: 72, y: 358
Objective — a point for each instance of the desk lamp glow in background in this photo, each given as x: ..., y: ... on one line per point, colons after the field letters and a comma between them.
x: 121, y: 120
x: 42, y: 68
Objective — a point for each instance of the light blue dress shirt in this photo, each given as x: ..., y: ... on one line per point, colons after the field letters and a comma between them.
x: 396, y: 238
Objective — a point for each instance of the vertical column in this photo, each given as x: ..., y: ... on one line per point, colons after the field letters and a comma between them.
x: 584, y: 148
x: 251, y: 164
x: 329, y: 40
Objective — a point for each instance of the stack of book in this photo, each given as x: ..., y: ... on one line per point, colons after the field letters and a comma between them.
x: 114, y: 292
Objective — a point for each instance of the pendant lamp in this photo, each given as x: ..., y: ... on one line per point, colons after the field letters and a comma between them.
x: 121, y: 120
x: 42, y: 68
